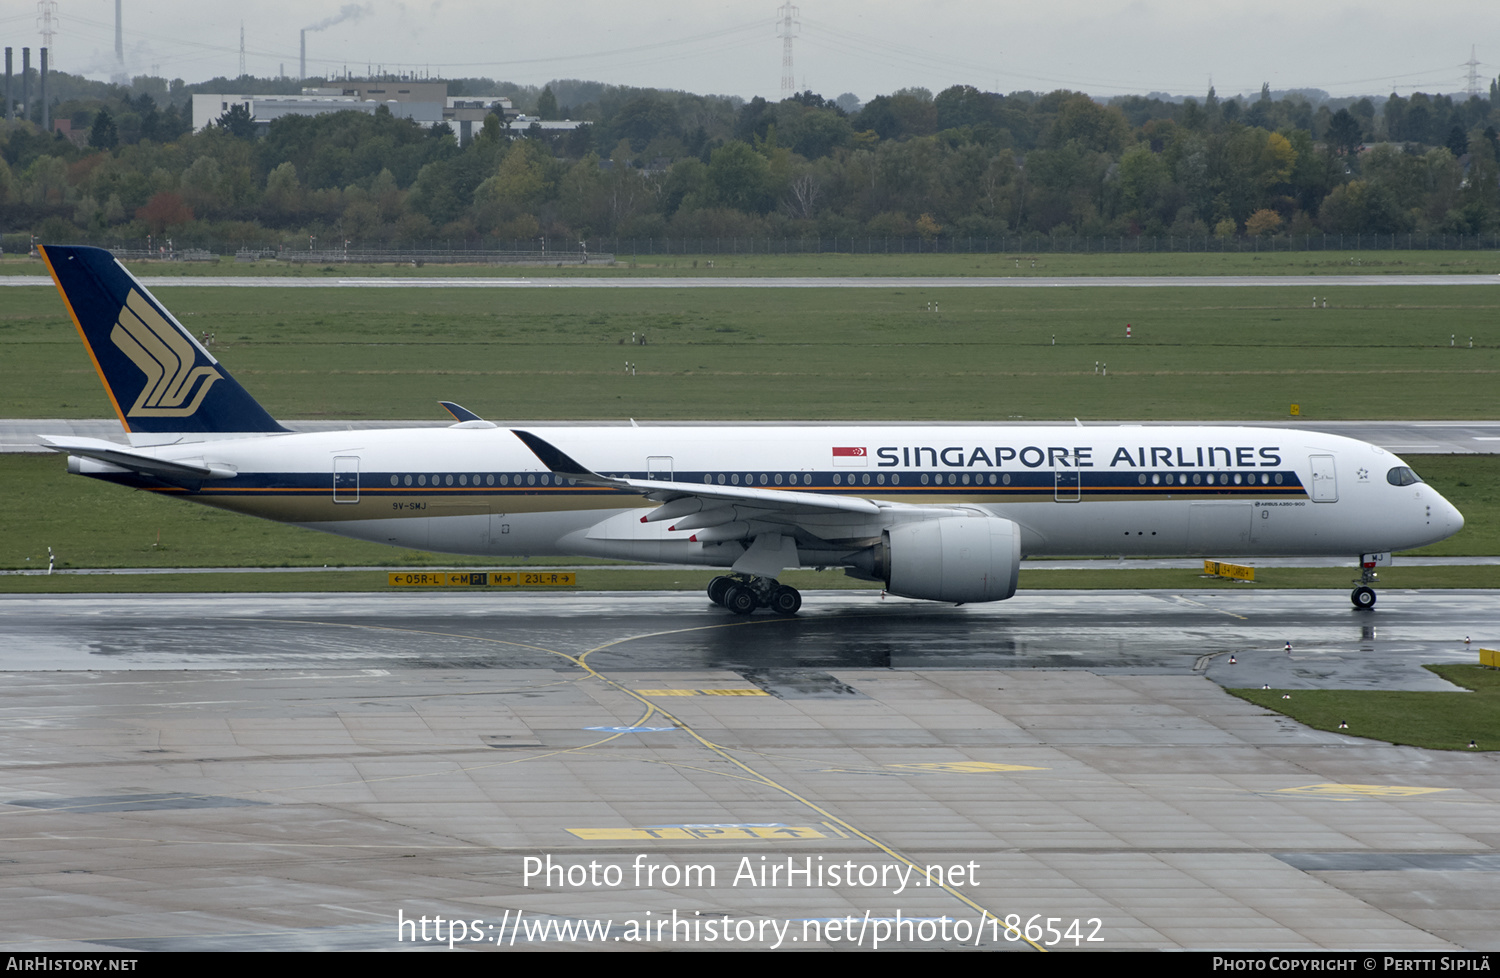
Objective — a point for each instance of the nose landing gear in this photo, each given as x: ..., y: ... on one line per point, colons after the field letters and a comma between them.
x: 1363, y: 595
x: 742, y: 595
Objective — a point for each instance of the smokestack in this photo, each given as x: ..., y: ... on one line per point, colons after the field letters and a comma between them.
x: 26, y: 83
x: 46, y: 111
x: 119, y: 41
x: 302, y: 65
x: 10, y: 105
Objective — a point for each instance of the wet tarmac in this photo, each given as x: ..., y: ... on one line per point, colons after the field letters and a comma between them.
x: 1333, y: 646
x: 228, y: 772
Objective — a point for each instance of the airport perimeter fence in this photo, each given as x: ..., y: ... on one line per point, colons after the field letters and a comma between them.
x: 1038, y: 244
x: 610, y: 249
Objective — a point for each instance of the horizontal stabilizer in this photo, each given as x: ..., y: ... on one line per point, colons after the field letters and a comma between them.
x: 147, y: 465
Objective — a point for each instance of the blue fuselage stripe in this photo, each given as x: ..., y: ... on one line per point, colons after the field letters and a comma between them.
x: 1280, y: 484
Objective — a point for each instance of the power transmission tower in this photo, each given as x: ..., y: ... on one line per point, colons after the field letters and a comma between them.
x: 46, y: 22
x: 786, y: 29
x: 1473, y: 88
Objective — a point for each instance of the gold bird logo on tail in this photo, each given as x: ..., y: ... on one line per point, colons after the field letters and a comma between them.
x: 166, y: 357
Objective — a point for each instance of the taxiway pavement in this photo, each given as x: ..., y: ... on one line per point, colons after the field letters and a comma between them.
x: 304, y: 771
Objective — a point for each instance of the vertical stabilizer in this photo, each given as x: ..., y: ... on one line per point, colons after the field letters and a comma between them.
x: 159, y: 378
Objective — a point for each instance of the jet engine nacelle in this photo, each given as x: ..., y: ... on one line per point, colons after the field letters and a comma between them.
x: 956, y: 558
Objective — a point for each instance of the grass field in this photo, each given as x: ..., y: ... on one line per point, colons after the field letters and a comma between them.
x: 1445, y: 721
x: 984, y: 354
x: 1339, y: 263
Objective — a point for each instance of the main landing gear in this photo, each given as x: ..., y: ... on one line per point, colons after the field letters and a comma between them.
x: 742, y: 595
x: 1363, y: 595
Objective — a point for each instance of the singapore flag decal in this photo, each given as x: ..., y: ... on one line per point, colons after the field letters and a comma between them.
x: 850, y: 456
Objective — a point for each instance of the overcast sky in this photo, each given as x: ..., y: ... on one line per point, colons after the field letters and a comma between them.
x: 869, y: 47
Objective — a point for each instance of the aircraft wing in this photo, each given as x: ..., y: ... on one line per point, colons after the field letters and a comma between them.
x: 147, y: 465
x: 693, y: 505
x: 783, y: 501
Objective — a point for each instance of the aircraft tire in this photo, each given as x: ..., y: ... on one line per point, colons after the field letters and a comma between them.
x: 741, y: 600
x: 786, y: 601
x: 718, y: 587
x: 1363, y: 598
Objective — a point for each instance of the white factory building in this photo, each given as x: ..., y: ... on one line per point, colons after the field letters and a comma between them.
x: 427, y: 103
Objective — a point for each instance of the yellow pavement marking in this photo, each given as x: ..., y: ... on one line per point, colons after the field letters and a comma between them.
x: 766, y: 780
x: 966, y: 767
x: 703, y: 692
x: 1359, y: 790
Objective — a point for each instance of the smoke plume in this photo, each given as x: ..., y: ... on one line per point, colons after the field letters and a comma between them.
x: 349, y: 11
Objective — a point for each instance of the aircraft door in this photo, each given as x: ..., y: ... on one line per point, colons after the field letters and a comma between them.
x: 659, y: 468
x: 1325, y: 487
x: 346, y: 479
x: 1066, y: 485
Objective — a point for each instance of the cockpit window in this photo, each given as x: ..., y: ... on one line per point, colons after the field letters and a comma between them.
x: 1402, y: 476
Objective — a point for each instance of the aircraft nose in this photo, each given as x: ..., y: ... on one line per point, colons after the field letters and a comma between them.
x: 1454, y: 517
x: 1446, y: 515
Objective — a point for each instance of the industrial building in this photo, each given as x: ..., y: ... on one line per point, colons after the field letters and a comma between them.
x: 426, y: 103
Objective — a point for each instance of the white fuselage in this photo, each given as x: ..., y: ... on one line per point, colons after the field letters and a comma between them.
x: 1126, y: 490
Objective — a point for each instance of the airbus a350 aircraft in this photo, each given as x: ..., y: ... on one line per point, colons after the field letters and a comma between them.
x: 942, y: 513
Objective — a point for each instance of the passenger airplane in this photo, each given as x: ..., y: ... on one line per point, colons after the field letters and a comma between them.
x: 941, y: 513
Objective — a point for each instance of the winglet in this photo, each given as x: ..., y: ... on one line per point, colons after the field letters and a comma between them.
x: 459, y: 412
x: 464, y: 417
x: 556, y: 459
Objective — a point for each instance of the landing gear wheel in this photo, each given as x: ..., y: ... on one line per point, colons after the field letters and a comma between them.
x: 786, y: 600
x: 718, y: 587
x: 1363, y: 598
x: 741, y: 600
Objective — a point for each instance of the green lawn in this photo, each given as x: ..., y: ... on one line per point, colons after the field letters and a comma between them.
x: 1445, y: 721
x: 1334, y: 263
x: 984, y: 355
x: 88, y: 523
x: 733, y: 354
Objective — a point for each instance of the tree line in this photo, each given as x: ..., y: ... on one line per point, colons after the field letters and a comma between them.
x: 655, y: 163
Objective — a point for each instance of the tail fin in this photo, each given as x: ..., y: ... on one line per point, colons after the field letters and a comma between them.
x: 160, y: 380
